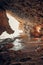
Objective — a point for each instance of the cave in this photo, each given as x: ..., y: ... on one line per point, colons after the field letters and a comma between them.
x: 21, y: 32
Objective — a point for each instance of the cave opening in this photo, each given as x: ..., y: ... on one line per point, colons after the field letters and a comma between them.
x: 14, y: 24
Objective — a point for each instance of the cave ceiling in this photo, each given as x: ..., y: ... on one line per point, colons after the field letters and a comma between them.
x: 25, y: 9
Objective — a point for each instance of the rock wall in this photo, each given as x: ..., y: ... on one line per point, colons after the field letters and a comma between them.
x: 27, y: 12
x: 4, y: 25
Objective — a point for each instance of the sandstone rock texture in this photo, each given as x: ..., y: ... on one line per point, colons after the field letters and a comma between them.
x: 4, y: 25
x: 20, y: 57
x: 27, y: 12
x: 27, y: 9
x: 31, y: 54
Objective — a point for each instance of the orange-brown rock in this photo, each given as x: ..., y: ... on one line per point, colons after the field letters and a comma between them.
x: 4, y: 25
x: 42, y: 38
x: 37, y: 31
x: 7, y: 46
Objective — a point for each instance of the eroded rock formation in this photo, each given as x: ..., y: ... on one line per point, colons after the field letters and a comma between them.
x: 25, y: 11
x: 4, y: 25
x: 29, y: 13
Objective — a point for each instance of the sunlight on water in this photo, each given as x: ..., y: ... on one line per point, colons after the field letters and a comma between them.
x: 14, y: 25
x: 17, y: 46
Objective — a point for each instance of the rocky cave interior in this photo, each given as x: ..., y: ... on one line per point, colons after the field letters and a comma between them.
x: 21, y: 32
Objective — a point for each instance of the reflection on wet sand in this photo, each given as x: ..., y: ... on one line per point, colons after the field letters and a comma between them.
x: 22, y: 42
x: 21, y: 51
